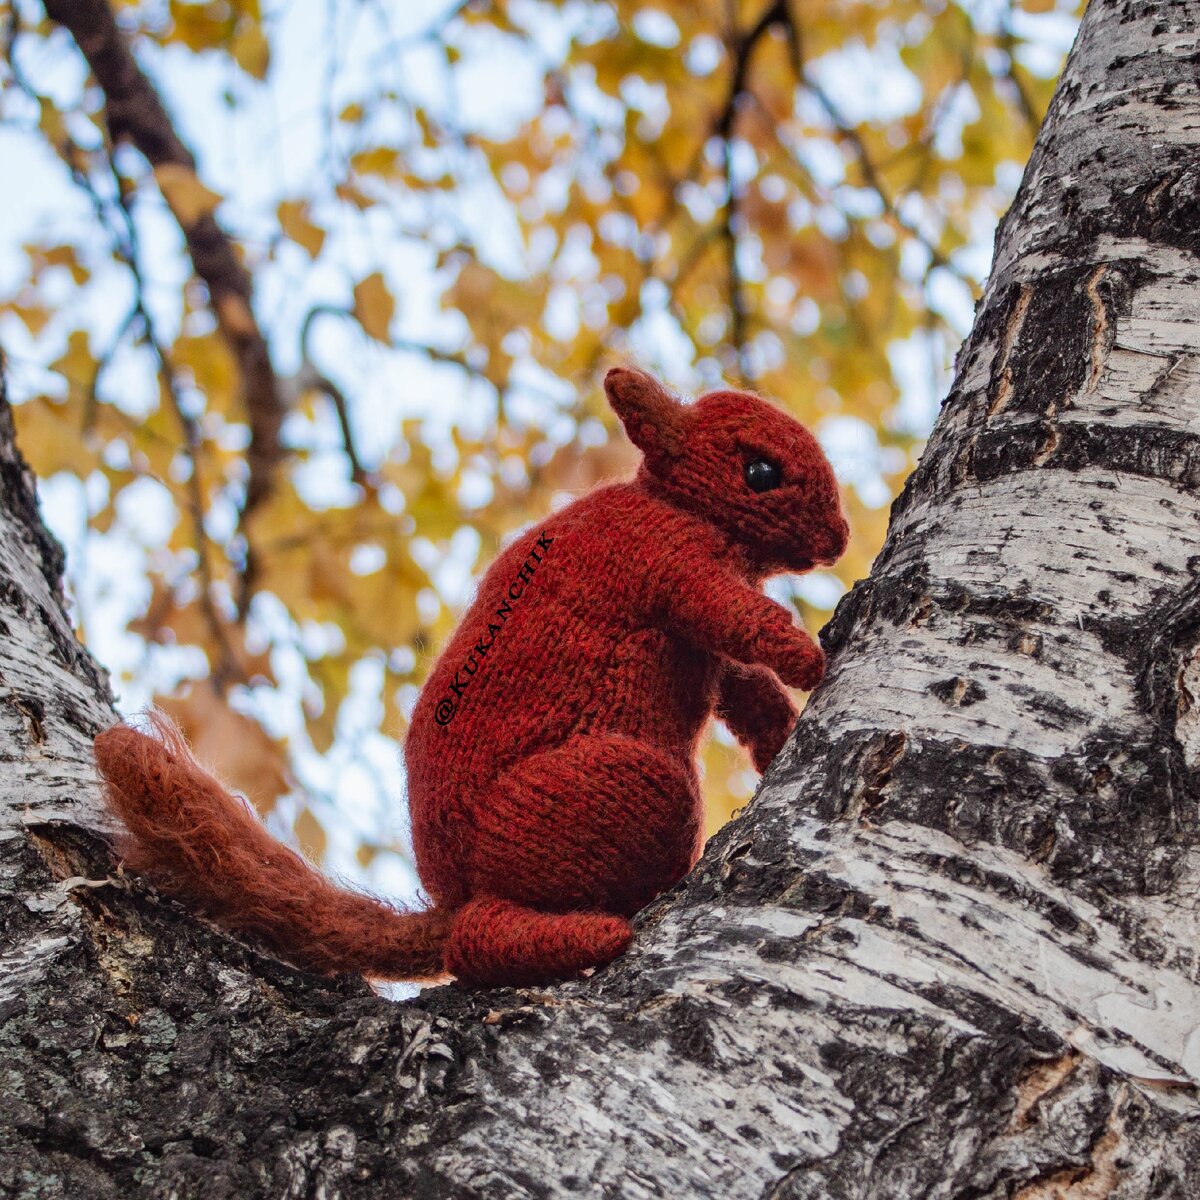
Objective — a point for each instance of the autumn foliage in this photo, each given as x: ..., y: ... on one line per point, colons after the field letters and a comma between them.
x: 338, y: 308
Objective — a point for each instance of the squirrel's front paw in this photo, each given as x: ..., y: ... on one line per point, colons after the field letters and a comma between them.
x: 803, y: 667
x: 769, y: 744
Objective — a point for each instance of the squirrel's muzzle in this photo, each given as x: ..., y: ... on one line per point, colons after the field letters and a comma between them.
x: 832, y: 542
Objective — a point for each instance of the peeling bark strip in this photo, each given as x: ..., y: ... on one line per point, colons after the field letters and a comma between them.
x: 952, y: 949
x: 134, y: 111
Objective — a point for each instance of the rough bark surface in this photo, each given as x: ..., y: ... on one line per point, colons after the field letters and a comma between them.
x: 949, y: 951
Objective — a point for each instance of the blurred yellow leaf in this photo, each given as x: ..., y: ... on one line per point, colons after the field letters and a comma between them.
x: 251, y: 50
x: 374, y: 306
x: 198, y: 26
x: 77, y: 363
x: 49, y: 436
x: 185, y: 195
x: 295, y: 221
x: 380, y: 160
x: 311, y: 836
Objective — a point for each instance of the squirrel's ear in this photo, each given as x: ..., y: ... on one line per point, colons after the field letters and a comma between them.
x: 654, y: 419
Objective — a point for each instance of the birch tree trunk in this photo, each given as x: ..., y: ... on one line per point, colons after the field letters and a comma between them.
x: 949, y: 951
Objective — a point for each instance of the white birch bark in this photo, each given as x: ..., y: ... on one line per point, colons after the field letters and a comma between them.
x: 949, y: 951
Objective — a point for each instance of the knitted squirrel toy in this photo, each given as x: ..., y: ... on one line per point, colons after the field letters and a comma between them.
x: 551, y: 754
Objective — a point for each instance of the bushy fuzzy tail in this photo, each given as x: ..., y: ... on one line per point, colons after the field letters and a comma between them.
x: 205, y: 847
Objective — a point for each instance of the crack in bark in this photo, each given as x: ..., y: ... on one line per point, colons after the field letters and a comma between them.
x: 1098, y: 1178
x: 1040, y: 1081
x: 1012, y: 330
x: 1101, y: 335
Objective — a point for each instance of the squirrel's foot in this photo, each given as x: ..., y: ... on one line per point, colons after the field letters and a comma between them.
x: 499, y: 943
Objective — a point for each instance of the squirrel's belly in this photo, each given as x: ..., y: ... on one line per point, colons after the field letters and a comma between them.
x: 658, y: 688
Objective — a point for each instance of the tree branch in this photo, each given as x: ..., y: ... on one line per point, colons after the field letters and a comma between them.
x: 125, y: 246
x: 847, y: 132
x: 741, y: 50
x: 135, y: 113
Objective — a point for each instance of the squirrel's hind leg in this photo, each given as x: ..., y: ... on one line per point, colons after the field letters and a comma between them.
x: 602, y: 823
x: 499, y: 943
x: 566, y: 845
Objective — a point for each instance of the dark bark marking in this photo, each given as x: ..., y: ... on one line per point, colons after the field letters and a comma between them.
x: 1002, y: 385
x: 958, y: 692
x: 688, y: 1031
x: 1147, y: 451
x: 1167, y: 211
x: 1100, y: 828
x: 33, y: 712
x: 1048, y: 344
x: 878, y: 763
x: 891, y: 1134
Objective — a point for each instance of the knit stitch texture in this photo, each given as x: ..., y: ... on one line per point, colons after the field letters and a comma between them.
x: 551, y: 756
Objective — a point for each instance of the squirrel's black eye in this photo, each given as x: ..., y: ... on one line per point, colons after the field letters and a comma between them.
x: 762, y: 475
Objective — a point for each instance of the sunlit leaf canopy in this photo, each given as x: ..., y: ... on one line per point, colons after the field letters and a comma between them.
x: 452, y: 219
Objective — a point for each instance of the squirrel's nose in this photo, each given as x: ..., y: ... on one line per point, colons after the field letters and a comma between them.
x: 843, y: 535
x: 836, y: 540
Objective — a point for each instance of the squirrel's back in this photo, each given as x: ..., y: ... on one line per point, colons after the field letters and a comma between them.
x: 538, y: 639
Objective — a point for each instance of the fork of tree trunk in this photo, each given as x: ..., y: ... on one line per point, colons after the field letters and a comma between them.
x: 950, y: 949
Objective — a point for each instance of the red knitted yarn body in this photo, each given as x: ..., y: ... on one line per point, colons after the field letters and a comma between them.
x: 551, y: 754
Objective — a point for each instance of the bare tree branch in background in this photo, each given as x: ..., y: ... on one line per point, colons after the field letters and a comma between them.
x: 741, y: 49
x: 135, y: 113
